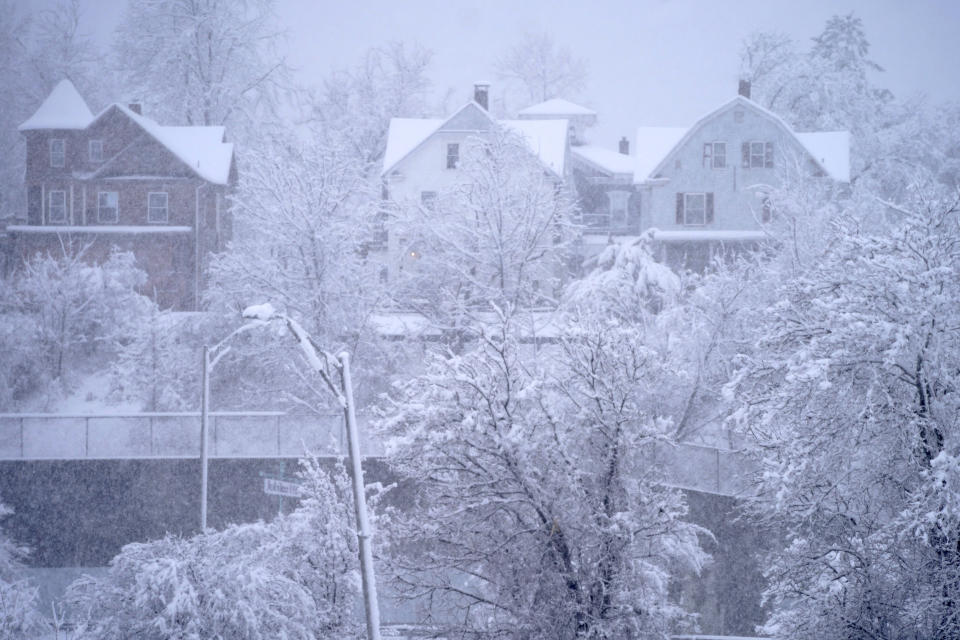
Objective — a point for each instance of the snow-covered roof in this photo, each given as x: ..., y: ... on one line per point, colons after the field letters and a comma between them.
x: 557, y: 107
x: 605, y: 159
x: 829, y: 150
x: 63, y: 109
x: 200, y: 148
x: 405, y: 135
x: 546, y: 138
x: 653, y: 145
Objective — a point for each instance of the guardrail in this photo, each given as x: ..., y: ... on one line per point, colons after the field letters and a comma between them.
x: 275, y: 434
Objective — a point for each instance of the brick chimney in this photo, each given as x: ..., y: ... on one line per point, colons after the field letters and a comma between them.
x: 624, y: 146
x: 745, y: 89
x: 136, y: 107
x: 481, y: 94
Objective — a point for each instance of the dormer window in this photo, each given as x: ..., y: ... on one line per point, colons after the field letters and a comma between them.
x: 95, y: 150
x: 453, y: 155
x: 58, y: 153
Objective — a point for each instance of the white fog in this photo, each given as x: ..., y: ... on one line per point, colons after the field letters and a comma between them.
x: 482, y: 321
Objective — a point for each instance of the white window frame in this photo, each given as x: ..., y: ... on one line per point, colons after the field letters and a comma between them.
x: 451, y: 161
x: 165, y: 208
x: 61, y: 207
x: 98, y: 145
x: 101, y: 208
x: 58, y: 157
x: 686, y: 209
x: 712, y: 159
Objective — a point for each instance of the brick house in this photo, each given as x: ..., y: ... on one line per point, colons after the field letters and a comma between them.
x: 119, y: 179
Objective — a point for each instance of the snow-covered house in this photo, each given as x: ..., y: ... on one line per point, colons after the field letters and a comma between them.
x: 705, y: 185
x: 423, y: 154
x: 119, y: 179
x: 601, y: 178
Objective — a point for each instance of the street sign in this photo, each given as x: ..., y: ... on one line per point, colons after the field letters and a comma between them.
x: 275, y: 487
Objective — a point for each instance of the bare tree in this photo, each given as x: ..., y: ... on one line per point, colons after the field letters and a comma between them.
x: 202, y: 62
x: 542, y: 68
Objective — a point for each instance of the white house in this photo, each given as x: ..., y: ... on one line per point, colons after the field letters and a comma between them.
x: 706, y: 184
x: 422, y: 157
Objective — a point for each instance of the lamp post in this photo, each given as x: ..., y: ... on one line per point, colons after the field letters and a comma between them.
x: 323, y: 364
x: 218, y: 350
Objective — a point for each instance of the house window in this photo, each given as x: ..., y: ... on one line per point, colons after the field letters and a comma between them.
x: 715, y: 155
x: 757, y: 155
x: 738, y: 116
x: 58, y: 152
x: 453, y: 155
x: 428, y: 200
x: 95, y: 150
x: 157, y: 211
x: 57, y: 206
x: 107, y: 206
x: 618, y: 207
x: 694, y: 209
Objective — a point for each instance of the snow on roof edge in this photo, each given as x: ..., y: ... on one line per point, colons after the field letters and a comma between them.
x: 63, y: 108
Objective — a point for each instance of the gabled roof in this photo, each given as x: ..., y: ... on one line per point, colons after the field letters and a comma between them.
x: 606, y: 160
x: 830, y: 151
x: 547, y: 139
x: 63, y: 109
x: 653, y: 145
x: 202, y: 149
x: 557, y: 107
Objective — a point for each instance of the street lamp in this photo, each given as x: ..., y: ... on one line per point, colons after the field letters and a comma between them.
x: 218, y: 350
x: 323, y: 363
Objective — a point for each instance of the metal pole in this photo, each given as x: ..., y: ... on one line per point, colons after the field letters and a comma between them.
x: 204, y: 409
x: 371, y: 605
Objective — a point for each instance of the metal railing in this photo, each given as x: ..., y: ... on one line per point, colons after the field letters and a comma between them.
x: 275, y: 434
x: 233, y: 434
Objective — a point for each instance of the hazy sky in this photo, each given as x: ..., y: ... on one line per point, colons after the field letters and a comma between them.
x: 655, y: 62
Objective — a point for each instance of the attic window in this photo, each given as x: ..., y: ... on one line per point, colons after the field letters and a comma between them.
x: 58, y: 152
x: 738, y: 116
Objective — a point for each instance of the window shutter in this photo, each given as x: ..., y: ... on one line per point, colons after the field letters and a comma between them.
x: 679, y: 208
x: 745, y: 153
x: 768, y: 156
x: 710, y: 208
